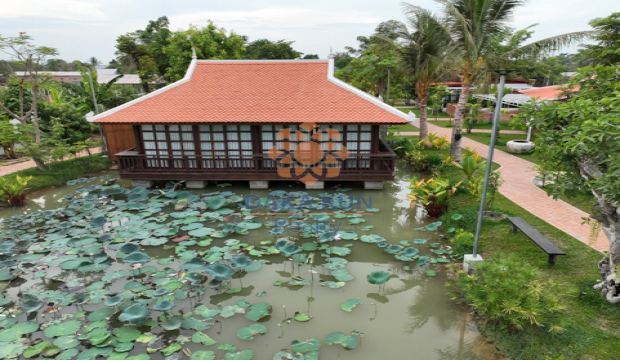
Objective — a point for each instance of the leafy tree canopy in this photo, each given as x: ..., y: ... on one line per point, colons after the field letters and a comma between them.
x: 267, y: 49
x: 607, y: 49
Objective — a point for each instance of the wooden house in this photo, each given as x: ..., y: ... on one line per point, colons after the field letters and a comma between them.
x: 220, y: 121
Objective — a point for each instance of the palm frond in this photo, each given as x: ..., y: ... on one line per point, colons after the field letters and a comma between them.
x: 550, y: 44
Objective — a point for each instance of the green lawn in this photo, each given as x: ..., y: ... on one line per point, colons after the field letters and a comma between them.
x: 402, y: 128
x: 592, y: 331
x: 59, y: 173
x: 500, y: 144
x: 441, y: 114
x: 503, y: 125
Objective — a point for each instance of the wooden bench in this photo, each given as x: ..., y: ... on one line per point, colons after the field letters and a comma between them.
x: 547, y: 246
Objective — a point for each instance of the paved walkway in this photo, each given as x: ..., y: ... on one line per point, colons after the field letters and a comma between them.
x: 9, y: 169
x: 518, y: 187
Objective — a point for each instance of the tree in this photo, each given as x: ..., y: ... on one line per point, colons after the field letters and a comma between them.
x: 31, y: 57
x: 210, y: 42
x: 103, y: 92
x: 581, y: 136
x: 435, y: 98
x: 342, y: 59
x: 59, y: 65
x: 310, y: 56
x: 131, y: 50
x: 266, y: 49
x: 422, y: 55
x: 12, y: 132
x: 156, y: 36
x: 474, y: 25
x: 93, y: 61
x: 607, y: 50
x: 63, y: 118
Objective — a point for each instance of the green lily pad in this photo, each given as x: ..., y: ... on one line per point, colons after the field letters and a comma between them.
x: 202, y: 355
x: 378, y: 277
x: 248, y: 333
x: 301, y: 317
x: 350, y: 304
x: 258, y: 311
x: 62, y: 329
x: 347, y: 341
x: 136, y: 313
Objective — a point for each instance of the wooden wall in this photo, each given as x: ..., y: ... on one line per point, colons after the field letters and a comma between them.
x: 118, y: 137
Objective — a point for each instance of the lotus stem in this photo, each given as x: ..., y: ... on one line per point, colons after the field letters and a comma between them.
x: 284, y: 307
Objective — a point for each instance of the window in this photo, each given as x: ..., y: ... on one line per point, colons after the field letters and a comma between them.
x: 358, y: 141
x: 169, y: 145
x: 226, y: 146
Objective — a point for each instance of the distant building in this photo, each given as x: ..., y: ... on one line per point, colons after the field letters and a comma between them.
x: 103, y: 77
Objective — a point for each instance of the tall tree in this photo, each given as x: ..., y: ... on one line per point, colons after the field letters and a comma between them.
x: 210, y: 42
x: 607, y: 49
x: 93, y: 61
x: 422, y: 52
x: 581, y: 136
x: 311, y: 56
x: 474, y: 24
x: 156, y: 36
x: 131, y: 49
x: 266, y: 49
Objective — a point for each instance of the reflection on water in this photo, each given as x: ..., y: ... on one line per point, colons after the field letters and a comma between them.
x: 410, y: 317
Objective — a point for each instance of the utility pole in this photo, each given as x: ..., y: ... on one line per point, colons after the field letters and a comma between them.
x: 470, y: 259
x: 92, y: 91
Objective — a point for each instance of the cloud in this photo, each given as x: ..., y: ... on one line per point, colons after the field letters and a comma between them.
x: 57, y: 9
x: 269, y: 19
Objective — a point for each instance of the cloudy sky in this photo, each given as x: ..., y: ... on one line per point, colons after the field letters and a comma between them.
x: 80, y: 29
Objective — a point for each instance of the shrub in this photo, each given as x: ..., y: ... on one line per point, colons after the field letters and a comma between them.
x: 441, y: 143
x: 511, y: 293
x: 433, y: 194
x: 466, y: 219
x: 13, y: 191
x: 462, y: 242
x: 417, y: 160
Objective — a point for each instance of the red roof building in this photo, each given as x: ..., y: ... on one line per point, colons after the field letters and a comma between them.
x: 549, y: 92
x: 221, y: 120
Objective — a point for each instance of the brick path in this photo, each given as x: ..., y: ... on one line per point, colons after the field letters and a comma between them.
x: 518, y: 187
x: 9, y: 169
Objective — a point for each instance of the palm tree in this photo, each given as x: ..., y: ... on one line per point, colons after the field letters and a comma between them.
x: 473, y: 25
x: 423, y: 54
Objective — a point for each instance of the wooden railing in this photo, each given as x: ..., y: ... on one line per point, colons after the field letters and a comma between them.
x: 132, y: 162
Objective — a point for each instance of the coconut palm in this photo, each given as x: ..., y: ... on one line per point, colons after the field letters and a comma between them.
x: 473, y: 25
x: 423, y: 54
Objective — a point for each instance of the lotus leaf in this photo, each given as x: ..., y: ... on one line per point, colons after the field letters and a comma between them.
x: 378, y: 277
x: 202, y: 355
x: 137, y: 258
x: 347, y: 341
x: 171, y: 349
x: 241, y: 355
x: 350, y: 305
x: 216, y: 202
x: 248, y: 333
x: 114, y: 300
x: 301, y: 317
x: 372, y: 238
x: 337, y: 250
x: 69, y: 327
x: 258, y: 311
x: 136, y: 313
x: 202, y: 338
x: 220, y: 272
x: 164, y: 306
x: 240, y: 261
x: 127, y: 333
x: 305, y: 346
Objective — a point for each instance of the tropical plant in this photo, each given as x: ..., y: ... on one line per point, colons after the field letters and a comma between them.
x: 13, y: 132
x: 417, y: 160
x: 433, y: 193
x: 440, y: 143
x: 12, y: 191
x: 422, y: 54
x: 474, y: 25
x: 511, y: 293
x: 580, y: 135
x: 470, y: 167
x: 607, y: 49
x: 462, y: 242
x: 266, y: 49
x: 473, y: 115
x: 436, y: 96
x: 469, y: 152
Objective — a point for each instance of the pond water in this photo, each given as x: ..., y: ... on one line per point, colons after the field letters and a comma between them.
x: 57, y: 260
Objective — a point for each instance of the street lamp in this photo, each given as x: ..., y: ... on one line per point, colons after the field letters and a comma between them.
x: 92, y: 90
x: 470, y: 259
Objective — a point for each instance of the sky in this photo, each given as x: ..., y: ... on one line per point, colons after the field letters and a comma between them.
x: 80, y: 29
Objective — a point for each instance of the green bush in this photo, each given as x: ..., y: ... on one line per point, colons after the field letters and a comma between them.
x: 513, y: 294
x: 467, y: 220
x: 462, y: 242
x: 58, y: 173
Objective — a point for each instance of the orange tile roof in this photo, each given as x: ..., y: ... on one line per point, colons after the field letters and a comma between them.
x: 548, y: 92
x: 256, y: 92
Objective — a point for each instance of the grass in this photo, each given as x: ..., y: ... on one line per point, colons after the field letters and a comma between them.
x: 500, y: 144
x: 58, y: 173
x: 441, y: 114
x: 592, y: 323
x: 402, y: 128
x: 503, y: 125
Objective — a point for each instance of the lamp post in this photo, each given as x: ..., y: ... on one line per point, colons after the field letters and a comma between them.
x: 474, y: 258
x: 92, y: 91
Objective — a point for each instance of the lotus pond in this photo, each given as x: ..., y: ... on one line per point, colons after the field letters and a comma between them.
x: 98, y: 269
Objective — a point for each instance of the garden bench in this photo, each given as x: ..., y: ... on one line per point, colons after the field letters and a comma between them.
x: 547, y: 246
